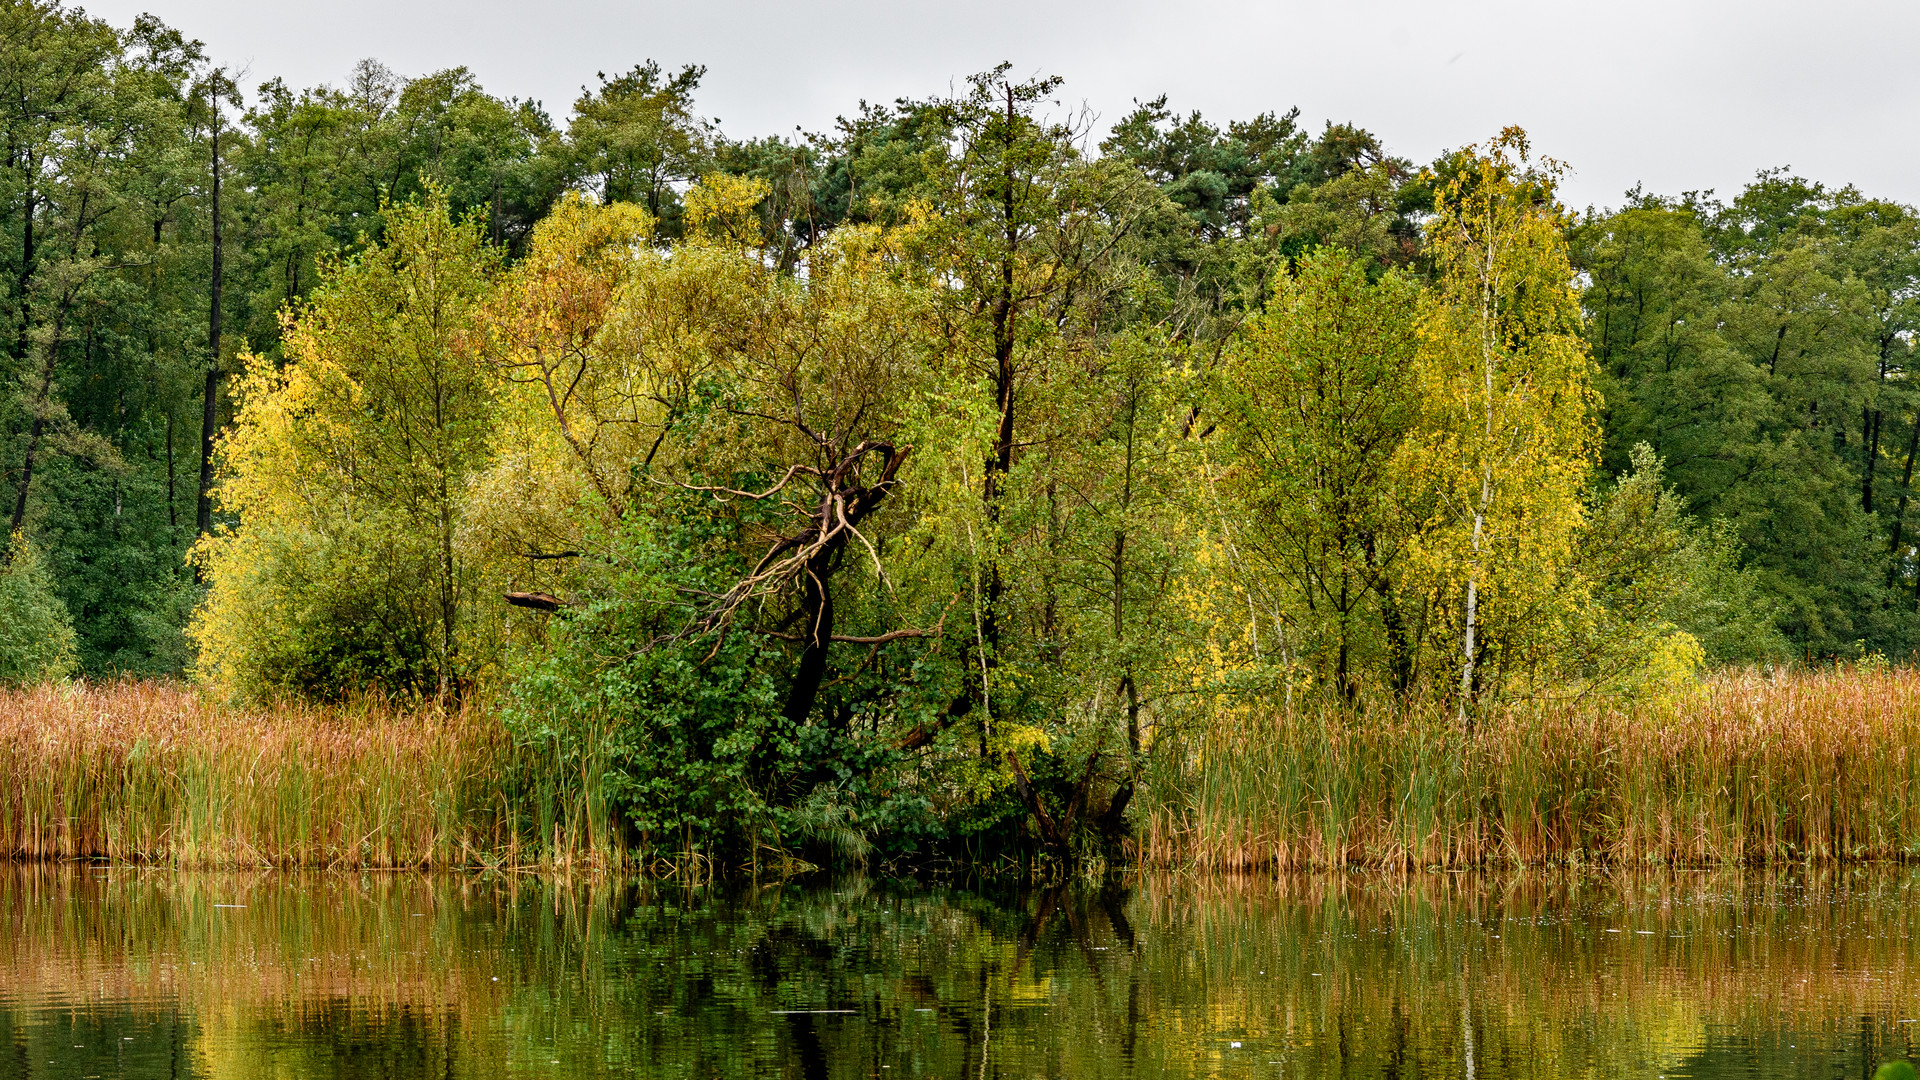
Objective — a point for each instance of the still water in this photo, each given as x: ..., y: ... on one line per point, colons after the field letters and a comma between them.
x: 120, y: 972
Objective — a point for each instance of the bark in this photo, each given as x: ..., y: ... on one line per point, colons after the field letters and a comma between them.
x: 816, y: 605
x: 843, y: 505
x: 28, y: 206
x: 173, y: 513
x: 1001, y: 461
x: 1349, y: 690
x: 1473, y: 615
x: 924, y: 733
x: 36, y: 433
x: 536, y: 601
x: 1399, y: 648
x: 1900, y: 509
x: 1113, y: 823
x: 209, y: 410
x: 1870, y: 440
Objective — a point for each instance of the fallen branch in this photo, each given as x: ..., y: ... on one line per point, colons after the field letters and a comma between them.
x: 537, y: 601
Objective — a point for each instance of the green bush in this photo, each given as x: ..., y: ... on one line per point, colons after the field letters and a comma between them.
x: 37, y: 641
x: 631, y: 713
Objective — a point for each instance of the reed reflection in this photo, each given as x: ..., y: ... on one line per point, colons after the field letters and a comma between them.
x: 117, y: 971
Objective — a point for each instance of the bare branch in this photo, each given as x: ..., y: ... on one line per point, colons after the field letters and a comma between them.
x: 715, y: 489
x: 934, y: 631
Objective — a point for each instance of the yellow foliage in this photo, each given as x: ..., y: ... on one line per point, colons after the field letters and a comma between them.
x: 347, y: 472
x: 1506, y: 444
x: 721, y: 209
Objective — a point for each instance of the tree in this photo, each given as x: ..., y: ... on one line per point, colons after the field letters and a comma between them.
x: 348, y: 470
x: 1212, y: 176
x: 703, y: 461
x: 1758, y: 348
x: 1317, y: 402
x: 1030, y: 234
x: 1504, y: 446
x: 36, y: 636
x: 1118, y: 469
x: 213, y: 89
x: 637, y: 134
x: 54, y: 73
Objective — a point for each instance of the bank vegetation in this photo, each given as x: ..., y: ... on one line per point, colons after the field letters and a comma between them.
x: 960, y: 484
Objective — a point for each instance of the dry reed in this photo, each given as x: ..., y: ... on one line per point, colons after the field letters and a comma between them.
x: 1753, y: 768
x: 1806, y: 766
x: 151, y: 772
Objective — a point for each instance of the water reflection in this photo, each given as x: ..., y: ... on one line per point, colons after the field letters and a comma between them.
x: 141, y: 973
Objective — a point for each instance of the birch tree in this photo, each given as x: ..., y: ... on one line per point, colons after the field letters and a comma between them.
x: 1506, y: 444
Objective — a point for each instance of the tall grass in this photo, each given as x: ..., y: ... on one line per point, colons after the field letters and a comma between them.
x: 1807, y: 766
x: 1752, y: 768
x: 150, y: 772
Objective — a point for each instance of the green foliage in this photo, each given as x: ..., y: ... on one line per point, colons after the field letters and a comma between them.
x: 348, y: 468
x: 924, y: 478
x: 1317, y: 400
x: 1654, y: 568
x: 637, y: 134
x: 683, y: 735
x: 1762, y: 349
x: 1213, y: 176
x: 1896, y: 1070
x: 37, y: 642
x: 1503, y: 449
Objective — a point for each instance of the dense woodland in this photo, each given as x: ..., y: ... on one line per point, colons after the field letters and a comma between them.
x: 919, y: 475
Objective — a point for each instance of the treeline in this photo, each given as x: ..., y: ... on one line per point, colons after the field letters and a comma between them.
x: 1764, y: 348
x: 913, y: 481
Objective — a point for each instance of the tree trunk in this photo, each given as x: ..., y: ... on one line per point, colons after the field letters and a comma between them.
x: 28, y: 205
x: 209, y: 414
x: 1473, y: 605
x: 816, y: 606
x: 1001, y: 462
x: 1900, y: 508
x: 173, y: 513
x: 1870, y: 442
x: 35, y: 433
x: 496, y: 206
x: 853, y: 504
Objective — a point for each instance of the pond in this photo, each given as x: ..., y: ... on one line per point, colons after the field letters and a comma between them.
x: 128, y: 972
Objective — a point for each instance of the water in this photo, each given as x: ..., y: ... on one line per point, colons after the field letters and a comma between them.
x: 139, y: 973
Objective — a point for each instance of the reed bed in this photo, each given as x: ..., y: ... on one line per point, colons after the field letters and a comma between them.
x: 151, y: 772
x: 1750, y: 768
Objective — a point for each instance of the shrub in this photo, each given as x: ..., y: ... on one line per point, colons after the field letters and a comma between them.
x: 37, y: 641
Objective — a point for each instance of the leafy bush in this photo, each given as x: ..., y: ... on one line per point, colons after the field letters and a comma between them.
x: 677, y: 733
x: 37, y: 641
x: 632, y: 711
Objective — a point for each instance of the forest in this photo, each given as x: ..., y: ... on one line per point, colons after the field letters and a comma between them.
x: 957, y: 476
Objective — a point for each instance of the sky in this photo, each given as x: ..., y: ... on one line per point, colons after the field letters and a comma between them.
x: 1676, y: 95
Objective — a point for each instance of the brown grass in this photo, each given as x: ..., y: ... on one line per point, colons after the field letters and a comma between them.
x: 152, y: 772
x: 1753, y: 768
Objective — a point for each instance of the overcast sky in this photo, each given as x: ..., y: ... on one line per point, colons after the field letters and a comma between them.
x: 1676, y: 94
